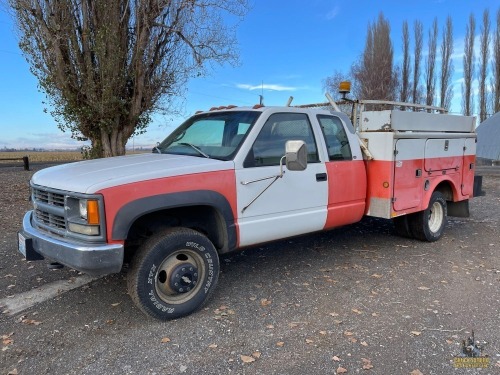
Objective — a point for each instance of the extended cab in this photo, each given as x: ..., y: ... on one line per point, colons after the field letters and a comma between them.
x: 235, y: 177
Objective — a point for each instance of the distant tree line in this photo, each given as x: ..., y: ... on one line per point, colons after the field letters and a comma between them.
x: 12, y: 149
x: 375, y: 75
x: 38, y: 149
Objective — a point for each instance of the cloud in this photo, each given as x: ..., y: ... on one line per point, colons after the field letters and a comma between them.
x: 266, y: 86
x: 333, y: 13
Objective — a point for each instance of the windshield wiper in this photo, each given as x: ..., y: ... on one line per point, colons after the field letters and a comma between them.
x: 194, y: 148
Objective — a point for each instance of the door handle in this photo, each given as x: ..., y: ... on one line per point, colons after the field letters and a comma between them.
x: 321, y: 177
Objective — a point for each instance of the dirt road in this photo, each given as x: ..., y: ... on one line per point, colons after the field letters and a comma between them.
x: 353, y: 300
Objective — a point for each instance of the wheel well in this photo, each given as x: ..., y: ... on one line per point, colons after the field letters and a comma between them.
x: 204, y: 219
x: 446, y: 189
x: 455, y: 207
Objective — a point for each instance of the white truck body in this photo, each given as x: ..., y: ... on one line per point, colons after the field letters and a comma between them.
x: 218, y: 183
x: 409, y: 148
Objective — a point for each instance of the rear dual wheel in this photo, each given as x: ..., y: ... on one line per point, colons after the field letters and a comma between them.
x: 402, y: 225
x: 173, y: 273
x: 427, y: 225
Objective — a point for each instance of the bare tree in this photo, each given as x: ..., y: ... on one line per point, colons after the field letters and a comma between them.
x: 106, y: 66
x: 495, y: 65
x: 446, y: 89
x: 483, y: 66
x: 404, y: 93
x: 467, y: 94
x: 418, y: 32
x: 430, y: 65
x: 374, y: 72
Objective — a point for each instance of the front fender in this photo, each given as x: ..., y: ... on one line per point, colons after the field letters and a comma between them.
x: 133, y: 210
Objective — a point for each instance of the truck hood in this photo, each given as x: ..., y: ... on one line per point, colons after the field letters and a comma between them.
x: 91, y: 176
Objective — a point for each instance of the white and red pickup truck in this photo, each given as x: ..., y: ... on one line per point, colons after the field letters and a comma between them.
x: 234, y: 177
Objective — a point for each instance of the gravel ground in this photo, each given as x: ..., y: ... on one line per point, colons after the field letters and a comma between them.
x: 353, y: 300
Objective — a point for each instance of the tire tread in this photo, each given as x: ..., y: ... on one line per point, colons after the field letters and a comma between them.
x: 419, y: 221
x: 133, y: 280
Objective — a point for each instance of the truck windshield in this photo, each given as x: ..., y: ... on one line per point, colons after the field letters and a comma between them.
x: 215, y: 135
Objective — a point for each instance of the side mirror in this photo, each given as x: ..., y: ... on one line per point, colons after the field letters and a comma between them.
x: 155, y: 149
x: 296, y: 155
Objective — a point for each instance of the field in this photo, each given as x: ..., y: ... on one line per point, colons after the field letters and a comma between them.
x: 47, y: 156
x: 41, y: 156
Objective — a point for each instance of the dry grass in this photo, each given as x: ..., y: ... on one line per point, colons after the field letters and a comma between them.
x: 49, y: 156
x: 36, y: 156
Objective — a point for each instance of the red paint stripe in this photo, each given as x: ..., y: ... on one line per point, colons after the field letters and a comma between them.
x: 438, y: 164
x: 408, y: 189
x: 408, y: 185
x: 379, y: 173
x: 468, y: 176
x: 223, y: 182
x: 346, y: 192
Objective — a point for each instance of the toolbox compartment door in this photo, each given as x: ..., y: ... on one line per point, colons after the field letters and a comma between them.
x: 408, y: 164
x: 469, y: 166
x: 443, y: 154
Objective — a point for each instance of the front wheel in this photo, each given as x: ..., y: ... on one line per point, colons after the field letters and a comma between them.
x: 173, y: 273
x: 428, y: 225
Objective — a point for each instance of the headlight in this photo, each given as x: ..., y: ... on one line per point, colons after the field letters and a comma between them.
x: 89, y: 210
x: 83, y: 208
x: 89, y: 230
x: 83, y: 216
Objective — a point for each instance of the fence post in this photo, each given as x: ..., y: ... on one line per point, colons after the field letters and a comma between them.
x: 26, y: 162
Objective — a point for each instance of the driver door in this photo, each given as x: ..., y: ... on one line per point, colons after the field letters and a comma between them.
x: 291, y: 205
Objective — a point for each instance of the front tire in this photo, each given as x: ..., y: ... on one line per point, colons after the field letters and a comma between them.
x: 173, y: 273
x: 428, y: 225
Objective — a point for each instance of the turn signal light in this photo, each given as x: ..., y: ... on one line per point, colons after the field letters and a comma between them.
x: 92, y: 212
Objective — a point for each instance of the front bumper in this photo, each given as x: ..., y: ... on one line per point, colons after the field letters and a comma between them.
x: 93, y: 259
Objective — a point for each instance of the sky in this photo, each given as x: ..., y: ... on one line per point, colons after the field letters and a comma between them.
x: 286, y: 48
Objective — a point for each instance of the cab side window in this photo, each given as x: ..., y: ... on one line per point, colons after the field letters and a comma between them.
x: 269, y: 147
x: 335, y: 137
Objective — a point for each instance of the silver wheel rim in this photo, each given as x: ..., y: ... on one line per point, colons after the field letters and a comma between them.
x: 168, y: 269
x: 436, y: 217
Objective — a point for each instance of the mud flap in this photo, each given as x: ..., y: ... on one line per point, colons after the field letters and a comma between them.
x: 478, y: 187
x: 458, y: 209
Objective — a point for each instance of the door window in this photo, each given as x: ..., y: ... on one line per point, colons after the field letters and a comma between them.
x: 269, y: 147
x: 335, y: 138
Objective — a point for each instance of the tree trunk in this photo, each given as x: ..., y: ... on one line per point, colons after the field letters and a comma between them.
x: 107, y: 145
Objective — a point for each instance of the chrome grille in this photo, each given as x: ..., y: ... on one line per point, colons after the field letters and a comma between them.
x: 48, y: 197
x: 49, y: 210
x: 50, y: 219
x: 54, y: 209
